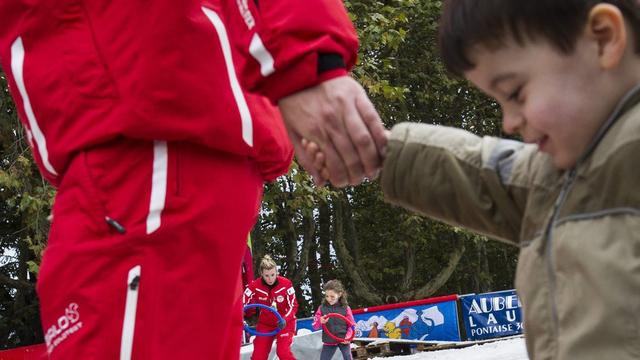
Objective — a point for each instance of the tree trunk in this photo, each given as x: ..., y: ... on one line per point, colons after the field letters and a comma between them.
x: 485, y: 281
x: 351, y: 236
x: 324, y: 242
x: 315, y: 281
x: 25, y: 306
x: 257, y: 247
x: 286, y: 221
x: 436, y: 283
x: 410, y: 255
x: 361, y: 287
x: 309, y: 228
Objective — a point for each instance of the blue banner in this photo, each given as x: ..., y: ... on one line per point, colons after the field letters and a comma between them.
x: 435, y: 321
x: 492, y: 315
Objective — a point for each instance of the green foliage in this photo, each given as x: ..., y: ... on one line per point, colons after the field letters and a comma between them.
x: 400, y: 68
x: 25, y: 203
x: 23, y: 192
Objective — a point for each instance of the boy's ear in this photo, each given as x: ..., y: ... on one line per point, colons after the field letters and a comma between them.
x: 607, y: 27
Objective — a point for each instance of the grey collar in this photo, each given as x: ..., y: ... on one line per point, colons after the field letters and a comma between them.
x: 628, y: 100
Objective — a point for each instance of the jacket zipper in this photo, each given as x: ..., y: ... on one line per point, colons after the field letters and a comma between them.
x: 130, y: 308
x: 571, y: 175
x: 630, y: 96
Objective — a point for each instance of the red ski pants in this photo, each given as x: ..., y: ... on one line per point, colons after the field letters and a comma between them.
x: 144, y: 253
x: 262, y: 344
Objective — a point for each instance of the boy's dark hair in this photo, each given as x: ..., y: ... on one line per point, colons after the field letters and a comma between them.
x: 336, y: 285
x: 466, y: 23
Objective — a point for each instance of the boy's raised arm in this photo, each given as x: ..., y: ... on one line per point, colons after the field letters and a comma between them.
x: 460, y: 178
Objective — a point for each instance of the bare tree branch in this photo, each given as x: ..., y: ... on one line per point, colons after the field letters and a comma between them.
x: 436, y: 283
x: 361, y: 286
x: 15, y: 284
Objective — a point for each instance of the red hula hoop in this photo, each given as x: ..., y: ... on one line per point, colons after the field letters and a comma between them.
x: 347, y: 322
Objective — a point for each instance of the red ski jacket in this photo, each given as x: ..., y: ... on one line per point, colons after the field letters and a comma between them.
x: 84, y: 73
x: 281, y: 293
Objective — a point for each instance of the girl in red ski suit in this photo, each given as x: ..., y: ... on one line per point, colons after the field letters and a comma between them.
x: 272, y: 290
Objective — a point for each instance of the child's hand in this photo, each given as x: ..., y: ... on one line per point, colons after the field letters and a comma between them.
x: 324, y: 319
x: 313, y: 152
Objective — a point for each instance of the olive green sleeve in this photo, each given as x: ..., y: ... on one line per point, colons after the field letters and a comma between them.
x: 460, y: 178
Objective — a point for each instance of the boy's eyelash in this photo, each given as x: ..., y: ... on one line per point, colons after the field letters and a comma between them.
x: 514, y: 95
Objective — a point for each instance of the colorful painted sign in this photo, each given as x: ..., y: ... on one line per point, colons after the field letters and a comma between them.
x: 428, y: 319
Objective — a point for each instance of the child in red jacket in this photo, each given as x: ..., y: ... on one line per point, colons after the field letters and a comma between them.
x: 335, y: 301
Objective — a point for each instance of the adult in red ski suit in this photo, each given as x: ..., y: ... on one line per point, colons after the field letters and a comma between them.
x: 137, y: 113
x: 272, y: 290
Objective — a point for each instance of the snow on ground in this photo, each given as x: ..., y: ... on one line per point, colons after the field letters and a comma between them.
x: 511, y: 349
x: 309, y: 346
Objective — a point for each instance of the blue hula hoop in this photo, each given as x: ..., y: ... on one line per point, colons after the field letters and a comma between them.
x: 281, y: 321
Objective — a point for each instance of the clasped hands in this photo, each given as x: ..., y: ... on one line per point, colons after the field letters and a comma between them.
x: 339, y: 120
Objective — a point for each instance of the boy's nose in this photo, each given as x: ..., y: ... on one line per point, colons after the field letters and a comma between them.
x: 512, y: 122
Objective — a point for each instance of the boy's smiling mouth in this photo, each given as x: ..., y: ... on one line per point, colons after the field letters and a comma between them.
x: 542, y: 143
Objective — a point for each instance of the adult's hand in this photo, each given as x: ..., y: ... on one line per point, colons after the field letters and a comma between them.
x: 340, y: 118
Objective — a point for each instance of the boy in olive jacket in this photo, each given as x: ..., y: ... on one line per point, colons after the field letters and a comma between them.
x: 567, y: 75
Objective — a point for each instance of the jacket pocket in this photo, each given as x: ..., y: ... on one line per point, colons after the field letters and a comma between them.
x: 78, y: 210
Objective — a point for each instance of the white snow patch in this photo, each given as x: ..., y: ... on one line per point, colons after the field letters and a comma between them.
x: 511, y: 349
